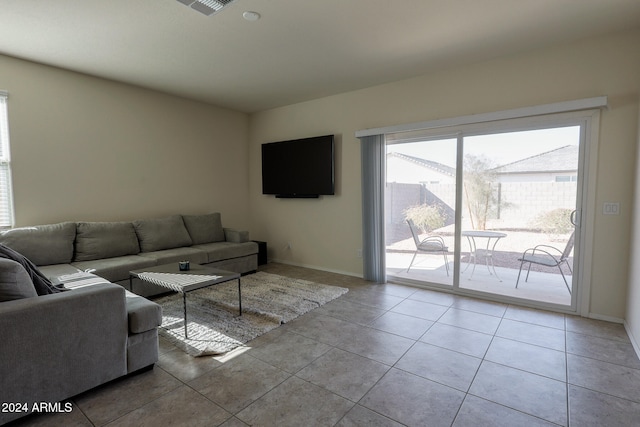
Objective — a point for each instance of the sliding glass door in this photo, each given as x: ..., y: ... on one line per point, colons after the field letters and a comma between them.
x: 492, y: 210
x: 520, y: 195
x: 420, y: 210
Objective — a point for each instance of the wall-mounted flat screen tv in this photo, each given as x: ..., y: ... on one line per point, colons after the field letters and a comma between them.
x: 301, y: 168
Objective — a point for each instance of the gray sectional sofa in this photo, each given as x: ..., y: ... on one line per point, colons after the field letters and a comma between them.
x: 112, y: 249
x: 55, y: 346
x: 58, y: 345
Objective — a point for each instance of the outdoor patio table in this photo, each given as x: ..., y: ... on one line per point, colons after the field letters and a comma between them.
x: 471, y: 236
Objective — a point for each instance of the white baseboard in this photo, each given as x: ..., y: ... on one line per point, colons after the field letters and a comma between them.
x: 315, y: 267
x: 605, y: 318
x: 634, y: 342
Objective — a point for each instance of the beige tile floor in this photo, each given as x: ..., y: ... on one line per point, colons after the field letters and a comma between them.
x: 387, y: 355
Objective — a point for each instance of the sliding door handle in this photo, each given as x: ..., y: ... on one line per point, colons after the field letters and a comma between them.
x: 574, y: 217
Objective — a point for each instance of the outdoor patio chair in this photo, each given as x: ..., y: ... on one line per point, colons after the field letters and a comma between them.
x: 430, y: 244
x: 548, y: 256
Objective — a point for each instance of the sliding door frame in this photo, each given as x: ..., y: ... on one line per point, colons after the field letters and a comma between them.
x: 513, y: 121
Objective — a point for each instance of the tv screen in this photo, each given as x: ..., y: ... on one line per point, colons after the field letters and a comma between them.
x: 299, y: 168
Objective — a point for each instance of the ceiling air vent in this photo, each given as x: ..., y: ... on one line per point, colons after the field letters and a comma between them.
x: 206, y: 7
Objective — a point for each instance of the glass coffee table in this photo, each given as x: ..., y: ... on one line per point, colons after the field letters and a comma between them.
x: 170, y: 276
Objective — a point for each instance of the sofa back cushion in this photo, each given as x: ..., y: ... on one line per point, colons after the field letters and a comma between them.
x: 204, y: 228
x: 43, y: 244
x: 14, y: 281
x: 161, y: 233
x: 98, y: 240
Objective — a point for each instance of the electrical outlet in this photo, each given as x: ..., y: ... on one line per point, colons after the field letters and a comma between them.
x: 359, y: 253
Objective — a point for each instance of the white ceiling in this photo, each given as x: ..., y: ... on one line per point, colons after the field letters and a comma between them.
x: 299, y: 50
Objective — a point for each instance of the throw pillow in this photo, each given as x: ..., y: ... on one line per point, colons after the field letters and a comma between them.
x: 14, y: 281
x: 42, y: 285
x: 204, y: 228
x: 161, y: 233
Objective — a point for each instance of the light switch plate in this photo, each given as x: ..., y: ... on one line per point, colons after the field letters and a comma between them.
x: 611, y: 208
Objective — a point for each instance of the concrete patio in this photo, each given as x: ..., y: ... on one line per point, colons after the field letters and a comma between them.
x: 543, y: 286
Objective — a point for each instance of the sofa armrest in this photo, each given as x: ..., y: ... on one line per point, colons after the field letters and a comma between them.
x: 236, y: 236
x: 144, y: 315
x: 59, y: 345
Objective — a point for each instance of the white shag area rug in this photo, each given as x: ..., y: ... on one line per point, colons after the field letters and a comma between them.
x: 213, y: 321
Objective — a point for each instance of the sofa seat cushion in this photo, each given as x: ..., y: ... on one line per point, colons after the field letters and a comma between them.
x: 143, y: 314
x: 204, y: 228
x: 15, y: 282
x: 114, y: 269
x: 97, y: 240
x: 80, y: 279
x: 43, y: 244
x: 162, y: 233
x: 56, y: 270
x: 225, y: 250
x: 175, y: 255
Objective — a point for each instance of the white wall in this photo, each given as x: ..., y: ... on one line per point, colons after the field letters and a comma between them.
x: 327, y: 233
x: 85, y: 148
x: 632, y: 320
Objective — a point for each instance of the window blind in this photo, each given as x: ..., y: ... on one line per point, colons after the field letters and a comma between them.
x: 373, y: 243
x: 6, y: 196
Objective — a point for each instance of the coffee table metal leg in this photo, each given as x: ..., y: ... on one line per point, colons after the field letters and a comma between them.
x: 184, y: 305
x: 239, y: 297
